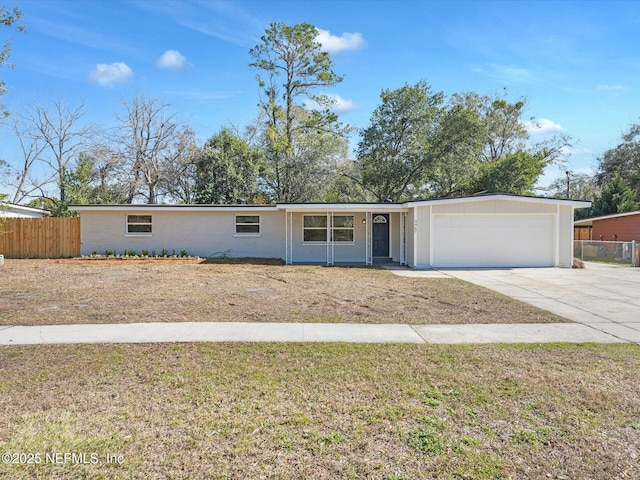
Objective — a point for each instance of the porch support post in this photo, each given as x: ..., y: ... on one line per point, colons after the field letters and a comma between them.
x: 403, y: 253
x: 368, y: 238
x: 288, y: 221
x: 329, y: 238
x: 557, y: 237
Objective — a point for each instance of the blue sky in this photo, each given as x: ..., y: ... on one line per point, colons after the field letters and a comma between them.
x: 577, y: 62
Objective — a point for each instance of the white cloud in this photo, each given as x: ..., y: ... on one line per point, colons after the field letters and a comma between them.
x: 612, y: 88
x: 342, y: 105
x: 542, y: 126
x: 510, y: 74
x: 107, y: 75
x: 339, y: 105
x: 332, y: 44
x: 173, y: 60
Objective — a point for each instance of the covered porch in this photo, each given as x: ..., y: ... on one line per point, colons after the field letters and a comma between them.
x: 337, y: 234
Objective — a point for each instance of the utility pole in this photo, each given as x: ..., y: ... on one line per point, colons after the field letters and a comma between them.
x: 568, y: 182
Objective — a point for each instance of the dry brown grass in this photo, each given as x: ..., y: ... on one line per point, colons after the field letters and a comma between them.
x: 324, y: 411
x: 48, y: 292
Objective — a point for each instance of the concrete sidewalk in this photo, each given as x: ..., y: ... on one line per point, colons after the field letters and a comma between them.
x: 303, y: 332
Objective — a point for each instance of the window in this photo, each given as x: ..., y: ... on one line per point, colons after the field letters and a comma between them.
x: 139, y: 224
x: 315, y: 228
x: 247, y: 225
x: 343, y: 228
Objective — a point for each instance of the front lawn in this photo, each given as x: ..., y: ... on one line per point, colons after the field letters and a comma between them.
x: 321, y: 411
x: 50, y: 292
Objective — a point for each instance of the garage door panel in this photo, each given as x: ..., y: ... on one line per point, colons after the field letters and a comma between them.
x: 493, y: 241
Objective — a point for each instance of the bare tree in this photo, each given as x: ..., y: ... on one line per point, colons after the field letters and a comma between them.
x: 8, y: 18
x: 145, y: 140
x: 180, y: 170
x: 50, y: 140
x: 21, y: 174
x: 59, y: 135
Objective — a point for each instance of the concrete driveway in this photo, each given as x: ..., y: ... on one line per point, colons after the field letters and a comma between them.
x: 603, y: 297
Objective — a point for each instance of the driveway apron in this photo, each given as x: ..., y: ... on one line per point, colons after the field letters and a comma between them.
x: 603, y: 297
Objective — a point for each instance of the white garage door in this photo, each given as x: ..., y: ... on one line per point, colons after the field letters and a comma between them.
x: 493, y: 241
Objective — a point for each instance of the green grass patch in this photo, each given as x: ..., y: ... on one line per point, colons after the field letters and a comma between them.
x: 323, y: 410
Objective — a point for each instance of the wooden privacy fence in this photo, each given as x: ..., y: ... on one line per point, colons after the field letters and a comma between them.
x: 40, y: 238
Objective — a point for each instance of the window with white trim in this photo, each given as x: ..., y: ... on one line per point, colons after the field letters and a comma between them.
x: 314, y: 229
x: 139, y: 225
x: 247, y: 225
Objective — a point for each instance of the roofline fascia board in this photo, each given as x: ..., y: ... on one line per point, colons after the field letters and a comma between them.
x: 13, y: 206
x: 173, y: 208
x: 324, y: 207
x: 583, y: 223
x: 344, y: 207
x: 607, y: 217
x: 513, y: 198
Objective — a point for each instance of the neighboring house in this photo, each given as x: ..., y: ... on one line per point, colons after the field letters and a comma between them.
x: 620, y: 227
x: 11, y: 210
x: 492, y: 230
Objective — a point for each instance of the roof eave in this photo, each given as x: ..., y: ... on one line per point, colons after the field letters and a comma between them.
x: 512, y: 198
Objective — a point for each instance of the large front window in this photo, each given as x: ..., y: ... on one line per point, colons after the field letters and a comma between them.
x: 315, y: 228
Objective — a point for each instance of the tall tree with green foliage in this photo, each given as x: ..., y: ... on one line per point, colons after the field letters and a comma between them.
x: 418, y: 146
x: 504, y: 130
x: 623, y: 160
x: 514, y: 173
x: 397, y: 147
x: 292, y: 66
x: 581, y: 186
x: 617, y: 197
x: 226, y: 170
x: 458, y: 145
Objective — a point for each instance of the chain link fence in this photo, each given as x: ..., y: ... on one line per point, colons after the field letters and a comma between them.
x: 620, y: 253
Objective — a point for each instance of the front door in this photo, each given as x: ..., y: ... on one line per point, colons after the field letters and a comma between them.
x: 380, y: 235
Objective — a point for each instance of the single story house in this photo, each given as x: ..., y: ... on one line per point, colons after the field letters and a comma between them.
x: 488, y: 230
x: 619, y: 227
x: 12, y: 210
